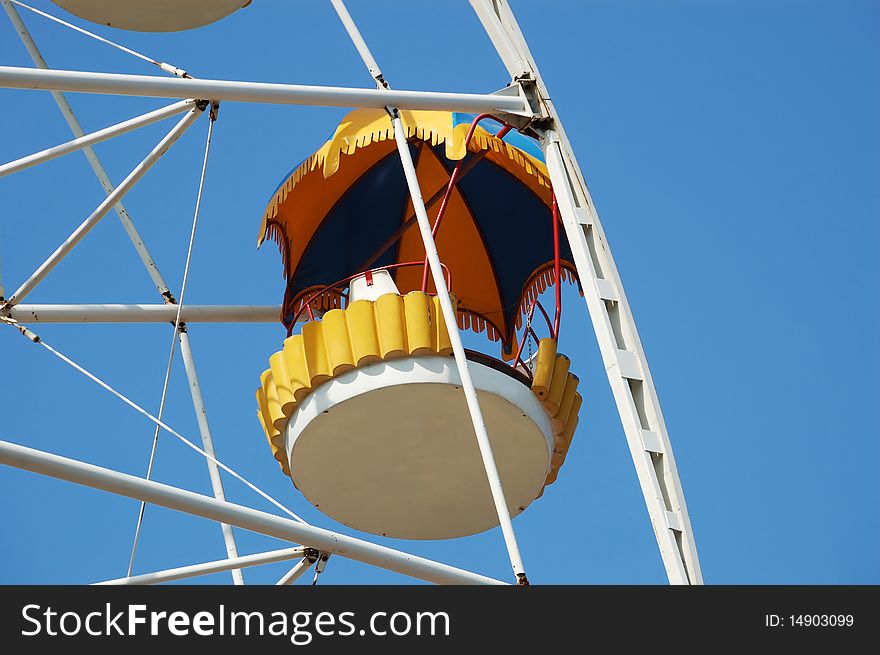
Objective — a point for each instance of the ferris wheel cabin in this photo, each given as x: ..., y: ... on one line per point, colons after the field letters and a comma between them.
x: 363, y: 405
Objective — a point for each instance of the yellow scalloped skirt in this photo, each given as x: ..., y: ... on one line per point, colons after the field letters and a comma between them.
x: 390, y: 327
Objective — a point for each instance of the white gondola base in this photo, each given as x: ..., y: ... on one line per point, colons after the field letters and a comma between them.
x: 389, y: 448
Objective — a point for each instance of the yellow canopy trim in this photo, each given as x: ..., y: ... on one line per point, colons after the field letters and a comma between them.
x: 362, y: 127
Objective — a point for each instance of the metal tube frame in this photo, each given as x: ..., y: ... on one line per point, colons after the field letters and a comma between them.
x: 207, y: 568
x: 12, y: 77
x: 76, y: 313
x: 95, y: 217
x: 527, y: 98
x: 432, y: 260
x: 90, y: 155
x: 622, y: 353
x: 296, y: 572
x: 165, y: 495
x: 195, y: 389
x: 96, y: 137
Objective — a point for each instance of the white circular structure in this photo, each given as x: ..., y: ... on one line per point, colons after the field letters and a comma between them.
x: 152, y: 15
x: 389, y: 448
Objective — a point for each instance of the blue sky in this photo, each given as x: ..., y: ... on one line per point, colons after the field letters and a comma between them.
x: 732, y: 151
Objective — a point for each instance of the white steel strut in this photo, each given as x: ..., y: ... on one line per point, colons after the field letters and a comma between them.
x: 467, y: 384
x: 613, y: 323
x: 296, y: 572
x: 100, y: 172
x: 144, y: 255
x: 12, y: 77
x: 76, y: 313
x: 206, y: 568
x: 95, y: 217
x: 96, y: 137
x: 165, y: 495
x: 527, y: 104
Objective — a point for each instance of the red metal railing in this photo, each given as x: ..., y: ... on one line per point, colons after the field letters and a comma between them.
x: 305, y: 305
x: 453, y: 180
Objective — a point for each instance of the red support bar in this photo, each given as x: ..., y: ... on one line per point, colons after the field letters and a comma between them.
x: 557, y: 268
x: 453, y: 180
x: 307, y: 303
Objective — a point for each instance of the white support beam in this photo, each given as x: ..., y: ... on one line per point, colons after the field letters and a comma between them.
x: 482, y: 436
x: 467, y: 384
x: 285, y: 94
x: 613, y: 323
x: 86, y: 226
x: 88, y: 140
x: 165, y: 495
x: 73, y: 313
x: 195, y: 389
x: 76, y: 129
x: 296, y: 572
x: 218, y: 566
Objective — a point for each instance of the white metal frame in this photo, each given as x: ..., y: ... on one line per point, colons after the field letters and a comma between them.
x: 526, y: 102
x: 613, y: 322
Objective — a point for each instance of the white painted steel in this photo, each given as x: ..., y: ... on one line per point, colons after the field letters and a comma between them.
x: 388, y: 448
x: 74, y: 313
x: 206, y: 568
x: 96, y: 137
x: 195, y: 389
x: 244, y: 517
x: 296, y: 572
x: 392, y: 106
x: 98, y: 168
x: 152, y: 15
x: 291, y: 94
x: 613, y: 322
x: 86, y: 226
x: 467, y: 384
x: 359, y: 43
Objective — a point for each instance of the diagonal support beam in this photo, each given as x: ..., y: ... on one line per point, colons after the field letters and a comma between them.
x: 296, y: 572
x: 165, y: 495
x: 95, y: 163
x: 424, y: 223
x: 206, y: 568
x: 139, y: 246
x: 195, y: 389
x: 86, y: 226
x: 88, y: 140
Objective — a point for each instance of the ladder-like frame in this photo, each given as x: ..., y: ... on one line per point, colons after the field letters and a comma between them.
x: 525, y: 103
x: 613, y: 322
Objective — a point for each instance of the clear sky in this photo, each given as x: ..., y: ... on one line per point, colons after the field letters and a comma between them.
x: 732, y: 151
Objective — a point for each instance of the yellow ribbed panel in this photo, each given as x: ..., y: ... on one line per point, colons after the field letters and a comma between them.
x: 337, y: 342
x: 544, y: 365
x: 441, y: 340
x: 276, y: 413
x: 362, y: 332
x: 295, y: 363
x: 556, y: 388
x: 316, y: 353
x: 560, y: 418
x: 420, y: 333
x: 391, y: 326
x: 282, y: 382
x: 557, y: 384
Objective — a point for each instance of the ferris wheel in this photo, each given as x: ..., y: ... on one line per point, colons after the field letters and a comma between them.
x: 396, y: 236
